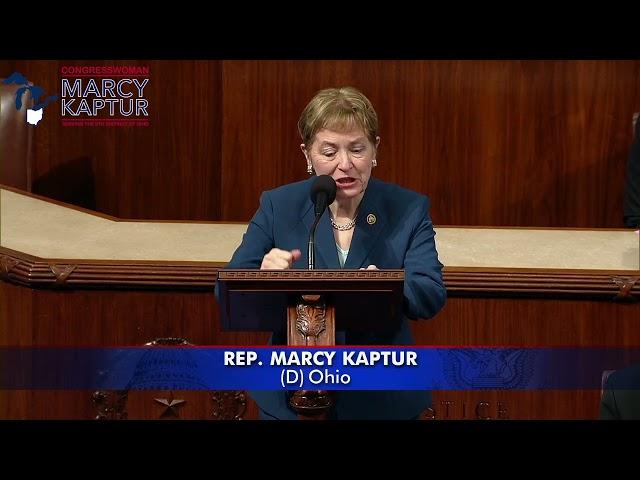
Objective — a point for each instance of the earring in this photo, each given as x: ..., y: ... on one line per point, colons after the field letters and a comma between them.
x: 374, y: 162
x: 309, y: 169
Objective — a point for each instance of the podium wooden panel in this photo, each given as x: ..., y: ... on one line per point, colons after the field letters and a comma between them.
x: 311, y: 305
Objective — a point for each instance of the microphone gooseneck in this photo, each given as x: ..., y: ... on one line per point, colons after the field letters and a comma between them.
x: 323, y: 194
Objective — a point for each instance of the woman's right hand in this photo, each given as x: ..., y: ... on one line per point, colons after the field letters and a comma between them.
x: 278, y: 259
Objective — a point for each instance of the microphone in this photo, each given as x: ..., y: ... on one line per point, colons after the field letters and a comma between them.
x: 323, y: 193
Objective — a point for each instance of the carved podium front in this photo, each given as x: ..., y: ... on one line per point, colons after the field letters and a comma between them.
x: 311, y: 305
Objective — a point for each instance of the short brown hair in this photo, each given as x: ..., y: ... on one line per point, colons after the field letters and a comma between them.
x: 339, y: 109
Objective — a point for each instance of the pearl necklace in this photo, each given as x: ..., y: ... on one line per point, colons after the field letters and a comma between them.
x: 345, y: 226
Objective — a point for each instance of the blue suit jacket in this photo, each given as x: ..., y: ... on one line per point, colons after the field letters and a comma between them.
x: 401, y: 237
x: 621, y: 396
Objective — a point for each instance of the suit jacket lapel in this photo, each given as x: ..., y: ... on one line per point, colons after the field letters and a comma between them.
x: 369, y: 224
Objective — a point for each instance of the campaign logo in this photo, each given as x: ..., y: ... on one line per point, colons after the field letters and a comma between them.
x: 104, y: 96
x: 34, y: 114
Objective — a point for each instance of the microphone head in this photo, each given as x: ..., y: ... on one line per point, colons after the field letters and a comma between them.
x: 323, y: 192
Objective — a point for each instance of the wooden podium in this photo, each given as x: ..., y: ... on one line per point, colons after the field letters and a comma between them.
x: 310, y: 305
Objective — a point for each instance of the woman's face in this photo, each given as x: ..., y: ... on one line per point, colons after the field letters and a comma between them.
x: 346, y: 156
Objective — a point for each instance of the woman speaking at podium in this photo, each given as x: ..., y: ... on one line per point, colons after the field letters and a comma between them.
x: 371, y: 224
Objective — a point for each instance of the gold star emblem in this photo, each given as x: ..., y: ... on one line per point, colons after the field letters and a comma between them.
x: 171, y: 404
x: 371, y: 219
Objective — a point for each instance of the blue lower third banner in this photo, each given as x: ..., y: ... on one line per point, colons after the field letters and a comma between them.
x: 317, y: 368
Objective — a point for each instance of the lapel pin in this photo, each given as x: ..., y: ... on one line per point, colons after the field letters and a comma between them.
x: 371, y: 219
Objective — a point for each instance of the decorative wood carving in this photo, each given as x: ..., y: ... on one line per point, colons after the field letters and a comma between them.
x: 229, y: 404
x: 311, y: 274
x: 110, y: 405
x: 62, y: 272
x: 171, y: 406
x: 311, y: 404
x: 625, y: 284
x: 7, y: 264
x: 311, y: 321
x: 168, y: 341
